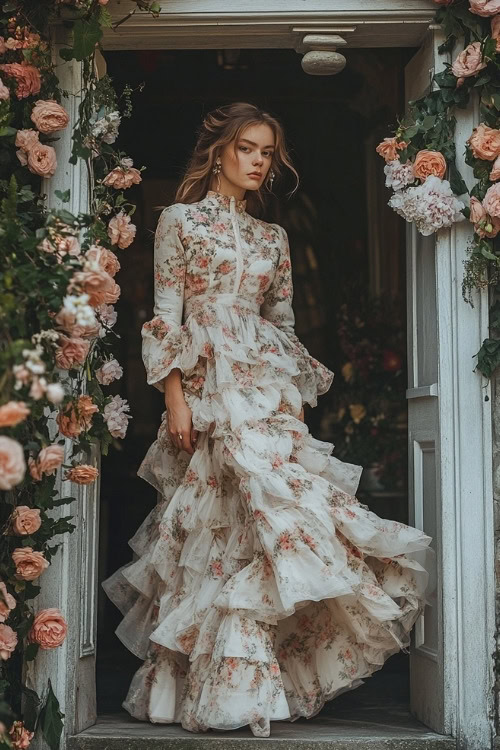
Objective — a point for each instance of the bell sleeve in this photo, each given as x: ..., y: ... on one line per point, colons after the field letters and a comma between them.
x: 161, y: 336
x: 314, y: 378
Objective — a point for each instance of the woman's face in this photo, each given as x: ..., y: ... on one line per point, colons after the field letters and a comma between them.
x: 248, y: 169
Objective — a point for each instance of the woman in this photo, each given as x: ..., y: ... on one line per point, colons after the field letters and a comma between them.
x: 262, y: 588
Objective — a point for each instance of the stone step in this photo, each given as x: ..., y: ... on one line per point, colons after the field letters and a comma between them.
x: 384, y: 731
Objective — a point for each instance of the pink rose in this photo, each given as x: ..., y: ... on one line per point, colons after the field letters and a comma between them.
x: 491, y: 201
x: 71, y: 352
x: 83, y: 474
x: 469, y: 62
x: 20, y: 736
x: 4, y: 91
x: 121, y: 231
x: 495, y: 172
x: 121, y: 179
x: 29, y: 564
x: 26, y: 139
x: 495, y: 30
x: 389, y: 148
x: 25, y: 520
x: 429, y: 163
x: 49, y: 116
x: 26, y: 76
x: 49, y: 629
x: 484, y: 8
x: 12, y: 463
x: 106, y: 259
x: 7, y: 602
x: 12, y: 413
x: 42, y: 160
x: 109, y: 371
x: 477, y: 212
x: 8, y: 641
x: 485, y: 142
x: 99, y: 285
x: 66, y: 320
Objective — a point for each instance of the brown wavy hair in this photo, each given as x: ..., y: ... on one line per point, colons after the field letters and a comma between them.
x: 220, y: 127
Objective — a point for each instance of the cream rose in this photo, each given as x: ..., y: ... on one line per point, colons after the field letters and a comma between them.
x: 429, y: 162
x: 26, y: 139
x: 49, y: 116
x: 485, y: 142
x: 484, y: 8
x: 12, y: 463
x: 49, y: 629
x: 12, y: 413
x: 25, y: 520
x: 29, y: 564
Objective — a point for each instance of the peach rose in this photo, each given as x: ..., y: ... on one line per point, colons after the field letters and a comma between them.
x: 83, y: 474
x: 491, y: 201
x: 12, y: 413
x: 29, y: 564
x: 429, y: 163
x: 76, y: 417
x: 49, y: 116
x: 485, y: 142
x: 8, y: 641
x: 20, y: 736
x: 47, y: 462
x: 484, y: 8
x: 121, y: 179
x: 25, y: 520
x: 71, y: 352
x: 468, y: 63
x: 477, y: 212
x: 389, y: 148
x: 42, y: 160
x: 494, y: 174
x: 4, y: 91
x: 12, y: 463
x: 26, y: 76
x: 49, y: 629
x: 26, y: 139
x: 495, y: 30
x: 99, y: 285
x: 7, y: 602
x: 66, y: 320
x: 106, y: 259
x: 121, y: 231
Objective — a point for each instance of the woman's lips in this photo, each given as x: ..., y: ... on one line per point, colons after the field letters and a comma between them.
x: 255, y: 176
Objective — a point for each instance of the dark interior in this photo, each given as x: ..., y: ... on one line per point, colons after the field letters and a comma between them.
x: 347, y: 249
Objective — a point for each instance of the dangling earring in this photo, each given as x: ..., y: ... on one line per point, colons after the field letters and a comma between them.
x: 272, y: 175
x: 216, y: 170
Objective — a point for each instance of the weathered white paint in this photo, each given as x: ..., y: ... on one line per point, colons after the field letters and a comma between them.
x: 450, y: 458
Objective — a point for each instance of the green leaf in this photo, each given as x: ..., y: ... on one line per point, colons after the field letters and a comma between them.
x: 63, y: 196
x: 31, y: 704
x: 457, y: 184
x: 51, y: 720
x: 105, y: 18
x: 31, y: 651
x: 86, y: 34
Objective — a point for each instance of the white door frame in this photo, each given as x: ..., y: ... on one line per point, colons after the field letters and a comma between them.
x: 465, y: 418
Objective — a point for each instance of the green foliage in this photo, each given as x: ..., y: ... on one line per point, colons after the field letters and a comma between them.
x: 51, y: 720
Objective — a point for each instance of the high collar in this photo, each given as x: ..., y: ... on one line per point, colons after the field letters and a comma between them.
x: 225, y: 201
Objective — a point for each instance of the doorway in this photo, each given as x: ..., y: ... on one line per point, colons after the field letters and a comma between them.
x: 348, y: 259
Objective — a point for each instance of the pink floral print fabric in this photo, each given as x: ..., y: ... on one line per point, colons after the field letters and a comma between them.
x: 261, y: 586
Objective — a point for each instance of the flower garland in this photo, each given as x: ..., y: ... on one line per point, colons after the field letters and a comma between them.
x: 57, y: 291
x: 422, y: 151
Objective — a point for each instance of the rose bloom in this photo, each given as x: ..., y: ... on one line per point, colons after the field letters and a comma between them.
x: 42, y: 160
x: 485, y: 142
x: 495, y: 30
x: 49, y: 116
x: 105, y: 258
x: 48, y: 461
x: 20, y: 736
x: 491, y: 201
x: 121, y: 231
x: 389, y: 148
x: 49, y: 629
x: 26, y: 139
x: 12, y: 463
x: 109, y: 371
x: 121, y: 179
x: 7, y: 602
x: 66, y: 320
x: 8, y: 641
x: 29, y: 564
x: 99, y: 285
x: 429, y: 162
x: 477, y: 212
x: 4, y: 91
x: 494, y: 174
x: 12, y: 413
x: 71, y: 352
x: 485, y: 8
x: 83, y: 474
x: 25, y: 521
x: 468, y: 63
x: 26, y: 76
x: 74, y: 419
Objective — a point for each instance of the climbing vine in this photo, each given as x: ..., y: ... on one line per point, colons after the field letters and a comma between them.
x: 422, y: 152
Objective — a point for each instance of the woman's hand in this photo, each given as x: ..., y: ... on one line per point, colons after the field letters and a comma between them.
x: 180, y: 426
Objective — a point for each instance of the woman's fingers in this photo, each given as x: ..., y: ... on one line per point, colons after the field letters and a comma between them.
x: 186, y: 442
x: 194, y: 437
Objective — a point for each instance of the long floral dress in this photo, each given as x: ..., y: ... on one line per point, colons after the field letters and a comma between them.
x: 261, y: 587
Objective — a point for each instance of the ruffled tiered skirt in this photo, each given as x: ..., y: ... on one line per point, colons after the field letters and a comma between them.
x: 261, y: 586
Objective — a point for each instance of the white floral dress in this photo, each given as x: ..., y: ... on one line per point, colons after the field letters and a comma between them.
x: 261, y: 586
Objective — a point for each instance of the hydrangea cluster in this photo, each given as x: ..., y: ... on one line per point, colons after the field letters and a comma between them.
x: 431, y: 205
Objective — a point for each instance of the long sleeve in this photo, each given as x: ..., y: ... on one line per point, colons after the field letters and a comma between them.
x: 161, y: 336
x: 314, y: 378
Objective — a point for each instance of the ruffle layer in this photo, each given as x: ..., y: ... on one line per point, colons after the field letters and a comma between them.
x: 262, y: 586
